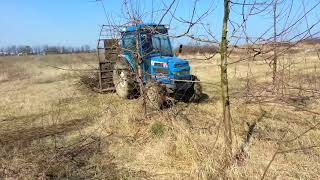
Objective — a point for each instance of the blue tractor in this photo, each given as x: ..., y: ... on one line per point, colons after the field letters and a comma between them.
x: 146, y: 48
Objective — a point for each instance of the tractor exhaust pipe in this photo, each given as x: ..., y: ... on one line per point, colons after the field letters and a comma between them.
x: 180, y: 50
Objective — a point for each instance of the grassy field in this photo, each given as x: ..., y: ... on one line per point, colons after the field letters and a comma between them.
x: 53, y: 126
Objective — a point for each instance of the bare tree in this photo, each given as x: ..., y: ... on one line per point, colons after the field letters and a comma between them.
x: 275, y: 60
x: 225, y: 85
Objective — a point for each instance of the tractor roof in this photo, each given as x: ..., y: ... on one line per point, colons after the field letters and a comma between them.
x: 143, y: 26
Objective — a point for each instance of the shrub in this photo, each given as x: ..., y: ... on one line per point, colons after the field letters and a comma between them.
x: 157, y: 129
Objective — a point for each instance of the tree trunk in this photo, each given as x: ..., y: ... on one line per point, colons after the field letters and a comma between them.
x: 275, y: 58
x: 139, y: 74
x: 225, y: 86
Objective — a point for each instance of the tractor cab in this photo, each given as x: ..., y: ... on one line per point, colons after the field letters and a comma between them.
x: 158, y: 61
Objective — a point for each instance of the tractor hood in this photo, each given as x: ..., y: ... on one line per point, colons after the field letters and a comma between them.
x: 170, y: 61
x: 169, y: 68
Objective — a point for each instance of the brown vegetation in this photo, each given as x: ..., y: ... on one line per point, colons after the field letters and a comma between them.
x: 198, y: 49
x: 58, y: 129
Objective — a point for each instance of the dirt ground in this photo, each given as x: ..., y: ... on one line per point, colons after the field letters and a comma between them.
x: 53, y: 126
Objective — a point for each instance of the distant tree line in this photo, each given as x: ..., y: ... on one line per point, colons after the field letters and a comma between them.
x: 209, y: 49
x: 43, y: 50
x: 197, y: 49
x: 312, y: 41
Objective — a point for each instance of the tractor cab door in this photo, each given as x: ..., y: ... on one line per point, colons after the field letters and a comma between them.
x: 128, y: 46
x: 146, y: 49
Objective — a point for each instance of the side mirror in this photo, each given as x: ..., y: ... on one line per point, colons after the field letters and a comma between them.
x: 180, y: 50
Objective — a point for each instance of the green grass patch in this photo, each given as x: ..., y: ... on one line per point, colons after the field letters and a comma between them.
x: 157, y: 129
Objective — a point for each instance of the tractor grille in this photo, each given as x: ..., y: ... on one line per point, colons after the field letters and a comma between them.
x: 179, y: 73
x: 160, y: 71
x: 180, y: 65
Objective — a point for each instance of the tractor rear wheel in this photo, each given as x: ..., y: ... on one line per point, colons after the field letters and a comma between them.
x: 123, y: 79
x: 154, y: 97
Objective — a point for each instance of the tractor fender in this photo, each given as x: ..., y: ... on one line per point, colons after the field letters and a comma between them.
x: 128, y: 59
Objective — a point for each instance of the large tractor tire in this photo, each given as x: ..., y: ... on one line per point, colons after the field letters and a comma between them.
x: 123, y: 79
x: 196, y: 90
x: 189, y: 91
x: 154, y: 98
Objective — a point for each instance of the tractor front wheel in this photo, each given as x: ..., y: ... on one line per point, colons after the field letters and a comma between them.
x: 123, y: 79
x: 197, y: 89
x: 154, y: 98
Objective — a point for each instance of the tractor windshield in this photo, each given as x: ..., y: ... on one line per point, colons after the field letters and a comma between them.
x: 156, y: 43
x: 161, y: 43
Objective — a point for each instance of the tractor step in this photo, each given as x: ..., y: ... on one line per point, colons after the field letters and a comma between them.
x: 105, y: 71
x: 110, y: 78
x: 110, y: 89
x: 107, y: 53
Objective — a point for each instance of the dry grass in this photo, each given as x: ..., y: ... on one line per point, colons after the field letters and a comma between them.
x: 52, y: 127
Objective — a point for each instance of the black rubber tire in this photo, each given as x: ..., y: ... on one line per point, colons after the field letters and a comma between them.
x: 154, y: 98
x: 197, y: 90
x: 184, y: 92
x: 122, y: 79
